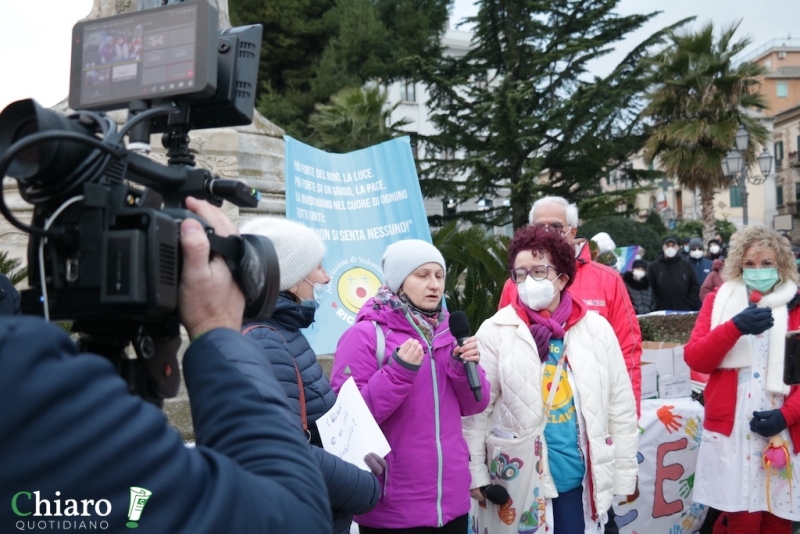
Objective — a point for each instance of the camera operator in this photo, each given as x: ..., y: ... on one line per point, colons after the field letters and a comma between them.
x: 75, y: 444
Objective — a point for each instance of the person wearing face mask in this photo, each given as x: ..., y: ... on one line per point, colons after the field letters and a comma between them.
x: 287, y: 353
x: 715, y: 250
x: 701, y: 264
x: 639, y: 288
x: 599, y: 287
x: 751, y: 416
x: 673, y: 279
x: 410, y: 371
x: 685, y: 247
x: 560, y: 431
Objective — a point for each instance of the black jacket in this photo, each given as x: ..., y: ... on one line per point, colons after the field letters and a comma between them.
x: 71, y: 431
x: 674, y: 284
x: 351, y: 490
x: 640, y: 292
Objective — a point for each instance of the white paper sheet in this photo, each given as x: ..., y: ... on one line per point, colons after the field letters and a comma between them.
x: 349, y: 430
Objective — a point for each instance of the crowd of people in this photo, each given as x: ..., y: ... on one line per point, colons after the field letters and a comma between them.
x: 543, y: 436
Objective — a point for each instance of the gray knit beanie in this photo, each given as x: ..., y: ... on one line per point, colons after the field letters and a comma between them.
x: 403, y: 257
x: 696, y: 242
x: 299, y: 249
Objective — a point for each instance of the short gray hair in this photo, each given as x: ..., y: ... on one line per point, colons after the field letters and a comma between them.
x: 570, y: 209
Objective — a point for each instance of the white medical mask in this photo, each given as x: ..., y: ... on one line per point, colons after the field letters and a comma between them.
x: 714, y: 249
x: 686, y: 248
x: 696, y: 254
x: 638, y: 256
x: 536, y: 294
x: 670, y: 252
x: 638, y: 274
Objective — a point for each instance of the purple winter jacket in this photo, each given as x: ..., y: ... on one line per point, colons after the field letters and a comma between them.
x: 427, y: 479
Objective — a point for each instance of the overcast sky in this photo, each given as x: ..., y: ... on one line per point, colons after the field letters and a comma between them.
x: 35, y: 35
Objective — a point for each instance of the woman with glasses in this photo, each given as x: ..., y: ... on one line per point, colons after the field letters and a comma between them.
x: 560, y: 430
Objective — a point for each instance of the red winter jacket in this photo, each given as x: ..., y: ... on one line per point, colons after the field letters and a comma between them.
x: 706, y: 350
x: 602, y: 290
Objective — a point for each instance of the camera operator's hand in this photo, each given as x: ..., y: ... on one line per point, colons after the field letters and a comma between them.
x: 209, y: 297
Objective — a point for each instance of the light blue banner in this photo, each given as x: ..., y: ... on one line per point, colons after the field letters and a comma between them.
x: 358, y: 203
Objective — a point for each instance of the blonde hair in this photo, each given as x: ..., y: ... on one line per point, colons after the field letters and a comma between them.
x: 764, y: 238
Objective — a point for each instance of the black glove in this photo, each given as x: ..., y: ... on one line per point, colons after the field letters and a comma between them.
x: 753, y: 320
x: 375, y: 463
x: 767, y: 423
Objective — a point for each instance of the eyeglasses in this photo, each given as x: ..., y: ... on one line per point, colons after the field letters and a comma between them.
x: 558, y: 227
x: 537, y: 272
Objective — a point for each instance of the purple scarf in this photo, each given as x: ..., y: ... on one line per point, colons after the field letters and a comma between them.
x: 543, y: 329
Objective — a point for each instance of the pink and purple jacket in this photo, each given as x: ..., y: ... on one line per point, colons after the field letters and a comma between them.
x: 419, y: 409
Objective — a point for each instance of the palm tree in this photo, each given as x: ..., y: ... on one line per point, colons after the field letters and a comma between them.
x: 357, y: 117
x: 477, y: 268
x: 700, y: 99
x: 10, y: 268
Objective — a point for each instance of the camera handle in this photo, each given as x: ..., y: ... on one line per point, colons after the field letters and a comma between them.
x: 154, y: 374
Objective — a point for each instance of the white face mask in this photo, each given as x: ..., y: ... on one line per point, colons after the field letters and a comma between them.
x: 536, y: 294
x: 696, y: 254
x: 686, y: 248
x: 638, y: 274
x: 638, y: 256
x: 714, y: 249
x: 670, y: 252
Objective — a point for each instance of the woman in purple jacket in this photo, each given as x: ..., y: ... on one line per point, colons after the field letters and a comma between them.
x: 410, y: 371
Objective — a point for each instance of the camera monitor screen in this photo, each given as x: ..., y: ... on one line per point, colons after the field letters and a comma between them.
x: 145, y: 55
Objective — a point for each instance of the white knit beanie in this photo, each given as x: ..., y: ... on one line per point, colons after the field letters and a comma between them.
x: 403, y: 257
x: 299, y: 249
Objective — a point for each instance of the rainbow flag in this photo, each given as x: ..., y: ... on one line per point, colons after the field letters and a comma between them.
x: 625, y: 258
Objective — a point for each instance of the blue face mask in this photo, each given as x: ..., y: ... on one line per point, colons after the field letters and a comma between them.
x: 319, y: 289
x: 760, y: 279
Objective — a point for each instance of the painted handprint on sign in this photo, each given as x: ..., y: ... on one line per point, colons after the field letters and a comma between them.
x: 686, y: 486
x: 694, y: 430
x: 670, y: 420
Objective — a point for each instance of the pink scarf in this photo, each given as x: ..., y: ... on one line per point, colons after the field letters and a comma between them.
x: 546, y: 326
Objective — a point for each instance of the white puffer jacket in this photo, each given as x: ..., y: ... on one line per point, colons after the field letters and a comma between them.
x: 603, y: 396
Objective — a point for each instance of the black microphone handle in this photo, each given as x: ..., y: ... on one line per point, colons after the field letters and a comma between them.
x: 472, y: 374
x: 474, y: 381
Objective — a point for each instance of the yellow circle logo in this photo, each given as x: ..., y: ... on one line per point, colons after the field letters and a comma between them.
x: 356, y: 286
x: 563, y: 392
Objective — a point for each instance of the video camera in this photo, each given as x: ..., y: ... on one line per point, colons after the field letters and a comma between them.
x: 104, y: 249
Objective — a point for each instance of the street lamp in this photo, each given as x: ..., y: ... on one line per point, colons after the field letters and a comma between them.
x: 735, y: 167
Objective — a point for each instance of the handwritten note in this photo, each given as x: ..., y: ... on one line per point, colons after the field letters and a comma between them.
x: 349, y: 431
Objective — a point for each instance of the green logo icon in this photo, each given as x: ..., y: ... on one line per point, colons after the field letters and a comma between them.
x: 139, y: 498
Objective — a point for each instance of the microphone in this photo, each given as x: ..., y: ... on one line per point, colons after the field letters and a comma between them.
x: 459, y: 327
x: 495, y: 494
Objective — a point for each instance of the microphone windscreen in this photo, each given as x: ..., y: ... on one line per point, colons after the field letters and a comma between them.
x: 496, y: 494
x: 459, y: 325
